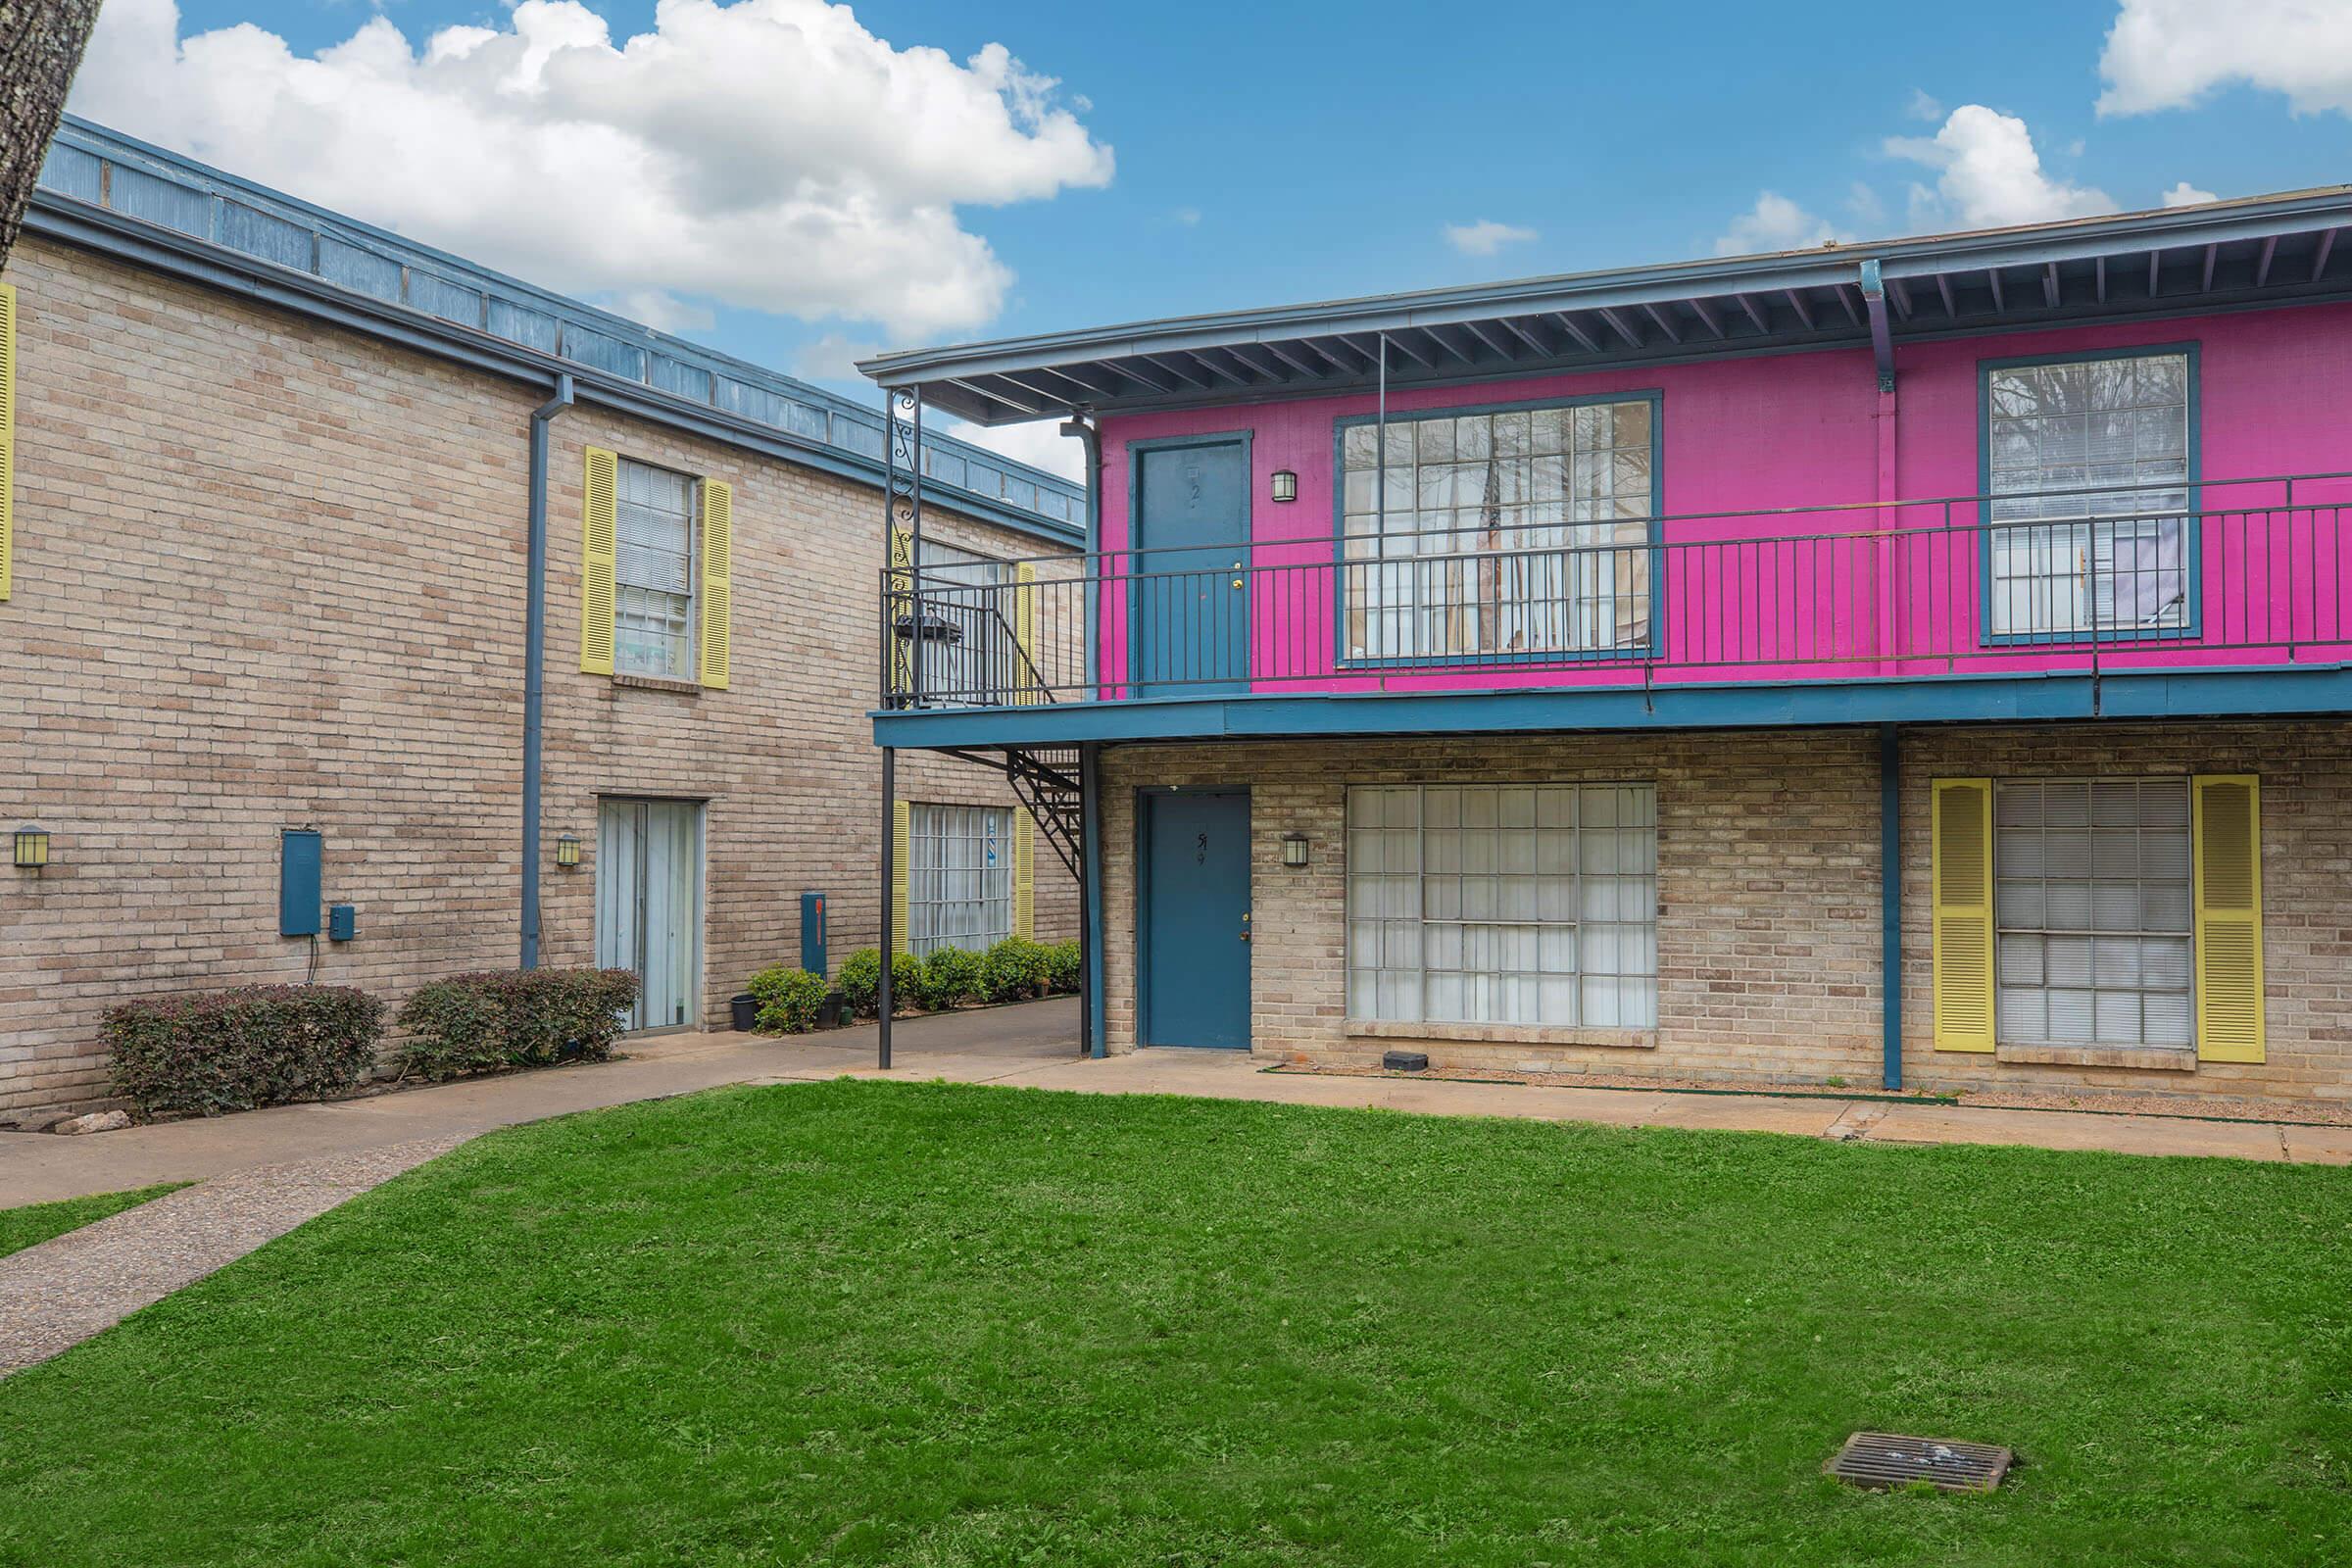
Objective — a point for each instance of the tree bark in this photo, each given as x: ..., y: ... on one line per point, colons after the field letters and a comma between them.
x: 40, y: 48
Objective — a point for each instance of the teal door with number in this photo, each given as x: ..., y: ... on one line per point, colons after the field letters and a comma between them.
x: 1189, y: 600
x: 1193, y: 935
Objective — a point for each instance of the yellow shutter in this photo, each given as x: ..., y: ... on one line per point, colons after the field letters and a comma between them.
x: 600, y: 544
x: 902, y: 839
x: 1028, y: 678
x: 1961, y: 875
x: 8, y: 432
x: 2228, y: 888
x: 1024, y: 875
x: 717, y: 588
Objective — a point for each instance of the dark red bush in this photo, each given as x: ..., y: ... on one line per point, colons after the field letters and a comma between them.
x: 222, y: 1051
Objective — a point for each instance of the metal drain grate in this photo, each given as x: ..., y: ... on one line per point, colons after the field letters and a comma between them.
x: 1884, y: 1460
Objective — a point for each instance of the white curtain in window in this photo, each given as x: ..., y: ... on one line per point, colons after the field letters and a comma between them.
x: 654, y: 573
x: 959, y: 877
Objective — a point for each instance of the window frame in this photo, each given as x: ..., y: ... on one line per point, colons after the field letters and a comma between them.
x: 1008, y: 869
x: 2092, y: 934
x: 2192, y: 546
x: 998, y: 592
x: 1582, y: 1027
x: 1648, y: 649
x: 621, y: 462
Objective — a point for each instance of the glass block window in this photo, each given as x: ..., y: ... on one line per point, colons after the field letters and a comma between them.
x: 652, y: 621
x: 2098, y: 560
x: 970, y: 655
x: 2091, y: 906
x: 1503, y: 904
x: 1519, y: 532
x: 959, y: 877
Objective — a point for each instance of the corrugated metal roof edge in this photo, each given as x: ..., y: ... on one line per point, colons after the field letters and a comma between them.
x: 63, y: 211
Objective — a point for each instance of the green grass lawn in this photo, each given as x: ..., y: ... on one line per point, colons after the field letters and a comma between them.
x: 33, y: 1223
x: 934, y: 1325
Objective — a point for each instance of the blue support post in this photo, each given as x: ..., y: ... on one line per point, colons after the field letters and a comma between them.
x: 1890, y: 900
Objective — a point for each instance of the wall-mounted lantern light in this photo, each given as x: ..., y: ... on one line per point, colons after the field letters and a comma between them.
x: 31, y: 846
x: 1293, y: 851
x: 568, y: 850
x: 1286, y: 486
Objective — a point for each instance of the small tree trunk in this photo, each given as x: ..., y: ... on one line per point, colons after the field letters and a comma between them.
x: 40, y: 48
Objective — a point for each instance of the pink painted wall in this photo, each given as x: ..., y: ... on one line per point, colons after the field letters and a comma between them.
x: 2274, y: 397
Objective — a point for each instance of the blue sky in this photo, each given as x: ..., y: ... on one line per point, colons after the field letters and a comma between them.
x: 1272, y: 152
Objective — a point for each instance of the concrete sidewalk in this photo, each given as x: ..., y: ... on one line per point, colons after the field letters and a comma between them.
x: 1036, y: 1045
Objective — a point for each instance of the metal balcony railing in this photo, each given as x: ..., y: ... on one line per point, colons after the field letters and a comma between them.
x: 2085, y: 580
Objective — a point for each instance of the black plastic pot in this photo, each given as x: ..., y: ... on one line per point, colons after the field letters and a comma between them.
x: 746, y: 1008
x: 833, y: 1012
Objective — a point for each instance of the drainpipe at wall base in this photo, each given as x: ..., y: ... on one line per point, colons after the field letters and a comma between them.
x: 1891, y: 902
x: 534, y: 665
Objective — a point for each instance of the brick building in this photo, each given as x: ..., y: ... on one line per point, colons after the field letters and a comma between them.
x: 1921, y: 664
x: 266, y: 567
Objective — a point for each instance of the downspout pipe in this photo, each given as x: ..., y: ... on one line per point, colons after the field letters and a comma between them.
x: 1890, y: 906
x: 534, y: 665
x: 1089, y: 436
x: 1091, y: 1033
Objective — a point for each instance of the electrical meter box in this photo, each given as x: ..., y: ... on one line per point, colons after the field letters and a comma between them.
x: 301, y: 854
x: 812, y: 932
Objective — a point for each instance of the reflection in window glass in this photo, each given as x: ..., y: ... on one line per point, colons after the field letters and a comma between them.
x: 1523, y: 531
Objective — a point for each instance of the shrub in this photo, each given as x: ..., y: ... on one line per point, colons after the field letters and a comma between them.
x: 222, y: 1051
x: 1013, y: 971
x: 514, y: 1018
x: 949, y: 977
x: 787, y: 999
x: 1064, y: 963
x: 862, y: 981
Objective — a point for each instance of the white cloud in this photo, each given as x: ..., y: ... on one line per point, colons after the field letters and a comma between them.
x: 833, y: 358
x: 662, y: 310
x: 2167, y: 54
x: 1988, y: 175
x: 1922, y: 107
x: 2187, y: 195
x: 1774, y: 224
x: 771, y: 153
x: 1486, y: 236
x: 1189, y: 217
x: 1041, y: 445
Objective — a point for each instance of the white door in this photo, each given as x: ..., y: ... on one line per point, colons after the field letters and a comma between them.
x: 649, y: 905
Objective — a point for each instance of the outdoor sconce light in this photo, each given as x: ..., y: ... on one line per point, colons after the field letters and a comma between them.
x: 31, y: 846
x: 1293, y: 851
x: 568, y: 851
x: 1286, y: 486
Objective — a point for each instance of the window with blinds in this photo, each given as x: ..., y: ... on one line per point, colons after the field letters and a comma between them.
x: 970, y: 655
x: 2107, y: 553
x: 654, y: 573
x: 1503, y: 904
x: 959, y: 877
x: 1516, y: 531
x: 2094, y: 911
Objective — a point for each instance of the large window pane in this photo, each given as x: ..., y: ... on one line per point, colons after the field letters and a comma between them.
x: 2090, y: 470
x: 2092, y: 902
x: 1503, y: 904
x: 654, y: 573
x: 1525, y: 531
x: 959, y: 877
x: 970, y: 655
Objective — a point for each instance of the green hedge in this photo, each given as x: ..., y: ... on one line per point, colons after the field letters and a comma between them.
x: 787, y: 999
x: 1013, y: 971
x: 1062, y: 964
x: 222, y: 1051
x: 949, y: 978
x: 1016, y: 969
x: 512, y: 1018
x: 862, y: 981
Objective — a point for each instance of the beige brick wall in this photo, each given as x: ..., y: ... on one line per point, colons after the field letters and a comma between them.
x: 269, y: 574
x: 1769, y: 890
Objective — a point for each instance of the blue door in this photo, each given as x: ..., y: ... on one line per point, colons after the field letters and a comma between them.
x: 1189, y: 602
x: 1194, y: 947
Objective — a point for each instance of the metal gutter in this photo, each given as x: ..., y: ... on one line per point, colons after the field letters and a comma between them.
x: 534, y: 665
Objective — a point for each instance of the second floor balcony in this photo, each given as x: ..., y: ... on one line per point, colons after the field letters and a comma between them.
x: 2221, y: 597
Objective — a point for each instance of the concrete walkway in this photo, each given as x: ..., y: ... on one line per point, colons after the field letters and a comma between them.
x: 263, y: 1173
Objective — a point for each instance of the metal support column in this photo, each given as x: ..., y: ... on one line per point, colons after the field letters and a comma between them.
x: 884, y: 1002
x: 1890, y: 902
x: 1090, y: 897
x: 902, y: 454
